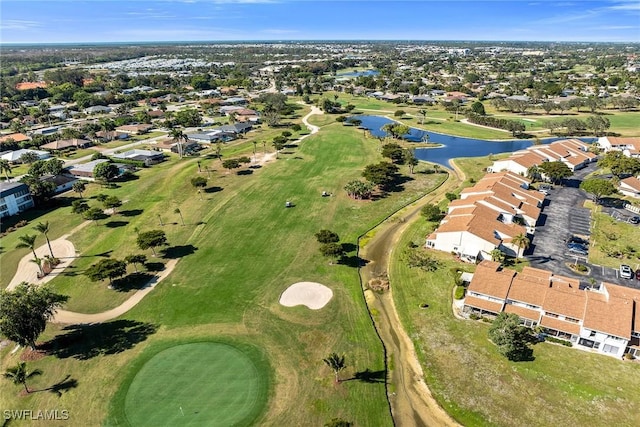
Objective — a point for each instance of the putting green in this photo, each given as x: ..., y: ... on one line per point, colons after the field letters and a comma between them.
x: 197, y: 384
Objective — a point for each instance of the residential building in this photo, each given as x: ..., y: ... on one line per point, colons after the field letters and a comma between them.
x: 489, y: 216
x: 630, y: 147
x: 630, y: 187
x: 62, y: 144
x: 149, y: 157
x: 605, y: 319
x: 15, y: 156
x: 14, y: 198
x: 138, y: 129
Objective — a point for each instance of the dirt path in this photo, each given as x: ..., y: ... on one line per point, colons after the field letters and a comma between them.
x: 411, y: 402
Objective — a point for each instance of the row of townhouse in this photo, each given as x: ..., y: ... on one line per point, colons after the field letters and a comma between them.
x: 630, y: 146
x: 572, y: 152
x: 489, y: 216
x: 604, y: 319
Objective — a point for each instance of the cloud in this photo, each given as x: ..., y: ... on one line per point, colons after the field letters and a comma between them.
x: 19, y: 24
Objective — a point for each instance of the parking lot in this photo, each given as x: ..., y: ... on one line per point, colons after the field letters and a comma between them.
x: 562, y: 217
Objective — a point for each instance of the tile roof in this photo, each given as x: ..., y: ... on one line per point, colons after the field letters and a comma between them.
x: 488, y: 279
x: 494, y: 307
x: 525, y: 313
x: 632, y: 182
x: 609, y: 315
x: 560, y: 325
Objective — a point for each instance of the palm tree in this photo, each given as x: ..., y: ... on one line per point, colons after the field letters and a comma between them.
x: 497, y: 255
x: 79, y: 187
x: 19, y: 374
x: 5, y: 167
x: 255, y: 145
x: 522, y: 242
x: 177, y: 210
x: 336, y: 363
x: 423, y: 113
x: 29, y: 241
x: 43, y: 227
x: 179, y: 136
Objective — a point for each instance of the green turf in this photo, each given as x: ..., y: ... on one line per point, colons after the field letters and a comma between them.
x: 197, y: 384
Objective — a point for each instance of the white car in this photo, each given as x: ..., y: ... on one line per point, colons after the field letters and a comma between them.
x: 626, y: 272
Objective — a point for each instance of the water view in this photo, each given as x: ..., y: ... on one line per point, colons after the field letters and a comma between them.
x: 452, y: 146
x: 359, y: 73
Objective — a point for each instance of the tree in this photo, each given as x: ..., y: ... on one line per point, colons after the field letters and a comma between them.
x: 393, y: 151
x: 410, y: 159
x: 29, y: 157
x: 54, y: 166
x: 135, y: 260
x: 93, y: 214
x: 79, y: 187
x: 359, y: 189
x: 620, y: 164
x: 334, y: 251
x: 431, y: 212
x: 113, y: 203
x: 231, y: 164
x: 598, y: 187
x: 29, y: 241
x: 336, y: 363
x: 105, y: 171
x: 497, y: 255
x: 279, y: 143
x: 19, y: 375
x: 522, y: 242
x: 5, y: 167
x: 151, y: 239
x: 24, y: 312
x: 478, y: 108
x: 43, y: 227
x: 534, y: 173
x: 556, y: 171
x: 511, y: 337
x: 327, y: 236
x: 179, y: 212
x: 396, y: 130
x: 179, y: 136
x: 39, y: 190
x: 79, y: 207
x: 106, y: 269
x: 423, y: 113
x: 381, y: 174
x: 598, y: 124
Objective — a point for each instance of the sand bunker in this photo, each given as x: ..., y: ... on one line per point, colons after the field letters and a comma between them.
x: 313, y: 295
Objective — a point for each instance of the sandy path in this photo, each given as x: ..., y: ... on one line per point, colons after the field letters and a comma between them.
x: 64, y: 316
x: 412, y: 403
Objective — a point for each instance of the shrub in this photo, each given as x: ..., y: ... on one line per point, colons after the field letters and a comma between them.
x: 459, y: 292
x: 22, y: 223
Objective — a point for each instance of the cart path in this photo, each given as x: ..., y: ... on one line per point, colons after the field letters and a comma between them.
x: 412, y: 403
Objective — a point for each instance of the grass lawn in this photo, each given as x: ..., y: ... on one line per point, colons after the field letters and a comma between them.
x: 613, y: 242
x: 240, y: 248
x: 479, y: 387
x: 205, y: 383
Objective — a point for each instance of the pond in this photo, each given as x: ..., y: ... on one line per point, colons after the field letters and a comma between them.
x: 359, y: 73
x: 452, y: 146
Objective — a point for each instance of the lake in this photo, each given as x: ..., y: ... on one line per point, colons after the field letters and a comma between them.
x: 452, y: 146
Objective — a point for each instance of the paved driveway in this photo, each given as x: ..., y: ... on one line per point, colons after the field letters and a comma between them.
x: 563, y: 216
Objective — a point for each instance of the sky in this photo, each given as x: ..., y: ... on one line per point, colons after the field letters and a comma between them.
x: 89, y: 21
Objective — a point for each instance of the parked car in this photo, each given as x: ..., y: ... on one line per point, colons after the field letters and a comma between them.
x: 577, y: 240
x: 634, y: 220
x: 626, y: 272
x: 638, y: 274
x: 577, y: 249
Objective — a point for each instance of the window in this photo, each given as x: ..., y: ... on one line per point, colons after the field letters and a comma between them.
x: 610, y: 349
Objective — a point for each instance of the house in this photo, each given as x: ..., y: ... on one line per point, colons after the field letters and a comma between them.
x: 85, y: 170
x: 15, y: 137
x: 31, y: 85
x: 138, y: 129
x: 14, y: 198
x: 630, y: 187
x: 149, y: 157
x: 15, y: 156
x: 97, y: 109
x: 63, y: 144
x: 605, y: 320
x: 172, y: 146
x: 489, y: 216
x: 236, y: 128
x: 62, y: 182
x: 207, y: 137
x: 422, y: 99
x: 104, y: 136
x: 47, y: 131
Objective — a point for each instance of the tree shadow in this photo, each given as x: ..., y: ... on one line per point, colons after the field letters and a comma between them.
x: 179, y: 251
x: 214, y: 189
x: 131, y: 212
x: 84, y: 342
x: 244, y: 172
x: 132, y: 281
x: 154, y: 266
x: 116, y: 224
x: 61, y: 386
x: 369, y: 376
x: 353, y: 261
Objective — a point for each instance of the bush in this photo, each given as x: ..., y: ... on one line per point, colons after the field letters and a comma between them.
x: 459, y: 292
x: 559, y: 341
x: 22, y: 223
